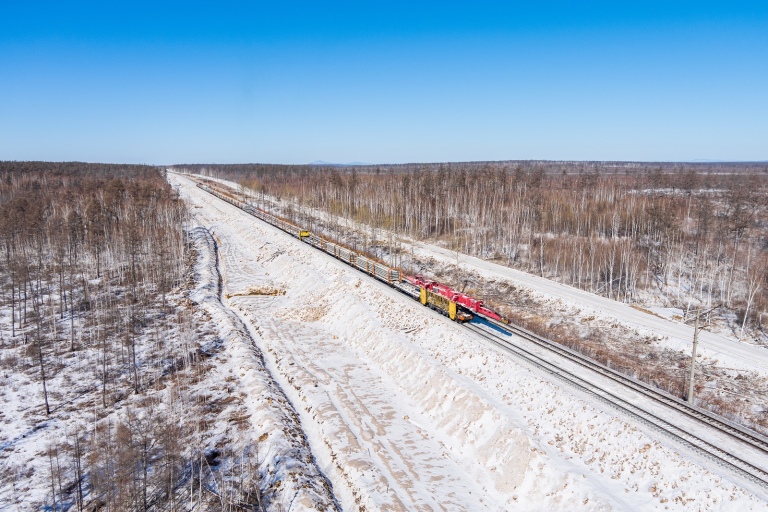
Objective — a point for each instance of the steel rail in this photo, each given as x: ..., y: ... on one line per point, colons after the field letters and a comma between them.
x: 691, y: 441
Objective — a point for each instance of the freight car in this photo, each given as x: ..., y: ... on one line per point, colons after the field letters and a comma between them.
x: 444, y: 305
x: 440, y: 297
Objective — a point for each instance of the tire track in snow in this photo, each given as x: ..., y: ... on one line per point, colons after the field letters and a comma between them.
x: 410, y: 468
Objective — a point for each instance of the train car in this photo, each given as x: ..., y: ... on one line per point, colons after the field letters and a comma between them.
x: 317, y: 241
x: 363, y: 263
x: 443, y: 304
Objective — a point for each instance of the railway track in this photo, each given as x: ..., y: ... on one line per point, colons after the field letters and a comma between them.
x: 691, y: 441
x: 705, y: 417
x: 753, y: 440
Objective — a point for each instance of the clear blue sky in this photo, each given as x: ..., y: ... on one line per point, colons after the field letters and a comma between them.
x: 293, y: 82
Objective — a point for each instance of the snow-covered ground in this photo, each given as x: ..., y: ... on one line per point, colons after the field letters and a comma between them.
x: 405, y: 410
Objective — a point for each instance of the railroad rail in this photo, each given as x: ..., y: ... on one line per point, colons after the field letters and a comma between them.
x: 394, y: 278
x: 694, y: 442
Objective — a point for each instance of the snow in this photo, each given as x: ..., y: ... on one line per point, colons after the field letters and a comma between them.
x: 290, y: 470
x: 668, y: 313
x: 405, y: 410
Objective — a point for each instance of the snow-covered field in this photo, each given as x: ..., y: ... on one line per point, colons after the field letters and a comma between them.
x: 405, y: 410
x: 291, y: 478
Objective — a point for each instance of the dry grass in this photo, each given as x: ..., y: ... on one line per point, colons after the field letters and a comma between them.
x: 257, y: 291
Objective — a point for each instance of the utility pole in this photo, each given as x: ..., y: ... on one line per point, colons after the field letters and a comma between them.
x: 689, y: 398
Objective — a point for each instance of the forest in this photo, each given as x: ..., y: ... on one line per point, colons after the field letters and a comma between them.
x: 93, y: 258
x: 90, y: 253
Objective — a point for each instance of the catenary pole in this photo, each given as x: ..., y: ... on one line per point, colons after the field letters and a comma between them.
x: 693, y: 359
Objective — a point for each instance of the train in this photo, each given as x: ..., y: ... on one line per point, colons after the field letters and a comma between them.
x: 456, y: 305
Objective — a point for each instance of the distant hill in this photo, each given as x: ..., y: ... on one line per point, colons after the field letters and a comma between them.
x: 331, y: 164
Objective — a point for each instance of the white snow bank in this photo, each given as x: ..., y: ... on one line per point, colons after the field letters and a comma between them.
x: 290, y: 477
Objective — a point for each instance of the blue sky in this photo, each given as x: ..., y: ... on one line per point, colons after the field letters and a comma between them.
x: 292, y: 82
